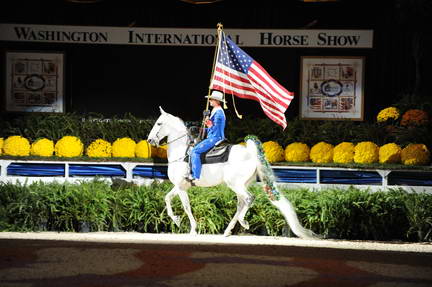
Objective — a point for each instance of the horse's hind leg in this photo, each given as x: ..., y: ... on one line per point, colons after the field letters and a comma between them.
x: 168, y: 200
x: 248, y: 202
x: 244, y: 201
x: 240, y: 205
x: 187, y: 208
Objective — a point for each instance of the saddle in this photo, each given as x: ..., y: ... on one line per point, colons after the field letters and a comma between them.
x: 217, y: 154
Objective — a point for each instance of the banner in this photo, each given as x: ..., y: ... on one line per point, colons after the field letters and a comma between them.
x: 300, y: 38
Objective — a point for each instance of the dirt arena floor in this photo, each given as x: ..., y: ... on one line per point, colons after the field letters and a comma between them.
x: 136, y: 259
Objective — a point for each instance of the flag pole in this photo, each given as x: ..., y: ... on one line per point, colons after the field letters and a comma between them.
x: 219, y: 30
x: 202, y: 130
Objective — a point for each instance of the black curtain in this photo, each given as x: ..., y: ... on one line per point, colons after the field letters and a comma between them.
x: 115, y: 79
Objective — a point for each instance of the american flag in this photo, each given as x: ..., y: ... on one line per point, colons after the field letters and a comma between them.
x: 238, y: 74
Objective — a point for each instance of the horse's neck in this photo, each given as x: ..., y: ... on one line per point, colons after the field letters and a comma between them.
x: 178, y: 143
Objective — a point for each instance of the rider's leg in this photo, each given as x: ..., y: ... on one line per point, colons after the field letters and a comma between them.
x: 200, y: 148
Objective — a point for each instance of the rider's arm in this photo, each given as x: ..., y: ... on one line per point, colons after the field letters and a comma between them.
x: 218, y: 119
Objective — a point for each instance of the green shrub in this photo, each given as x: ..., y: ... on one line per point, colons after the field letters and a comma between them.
x: 98, y: 206
x: 419, y: 215
x: 87, y: 127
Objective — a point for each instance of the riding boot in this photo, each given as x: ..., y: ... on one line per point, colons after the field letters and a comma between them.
x: 190, y: 180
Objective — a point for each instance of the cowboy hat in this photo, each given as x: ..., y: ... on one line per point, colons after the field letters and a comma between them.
x: 217, y: 95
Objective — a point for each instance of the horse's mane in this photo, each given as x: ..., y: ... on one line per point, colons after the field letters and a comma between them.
x: 179, y: 120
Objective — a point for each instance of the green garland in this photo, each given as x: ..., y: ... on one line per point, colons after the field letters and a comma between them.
x: 268, y: 177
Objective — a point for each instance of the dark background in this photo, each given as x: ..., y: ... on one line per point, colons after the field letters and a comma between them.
x: 116, y: 79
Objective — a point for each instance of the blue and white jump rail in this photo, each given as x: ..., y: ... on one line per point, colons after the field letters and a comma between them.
x: 27, y: 172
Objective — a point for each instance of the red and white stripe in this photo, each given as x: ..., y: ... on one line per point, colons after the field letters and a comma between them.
x: 256, y: 85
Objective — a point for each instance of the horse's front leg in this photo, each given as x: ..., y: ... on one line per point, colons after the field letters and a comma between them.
x: 187, y: 208
x: 168, y: 200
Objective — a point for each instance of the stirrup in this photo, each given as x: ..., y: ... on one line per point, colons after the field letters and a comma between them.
x: 190, y: 180
x: 189, y: 177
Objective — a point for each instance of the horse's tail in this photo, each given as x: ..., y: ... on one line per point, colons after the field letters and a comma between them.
x: 267, y: 177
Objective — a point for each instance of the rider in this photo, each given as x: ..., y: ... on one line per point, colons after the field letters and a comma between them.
x: 215, y: 133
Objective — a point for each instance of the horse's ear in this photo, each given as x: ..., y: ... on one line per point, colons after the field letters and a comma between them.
x: 161, y: 110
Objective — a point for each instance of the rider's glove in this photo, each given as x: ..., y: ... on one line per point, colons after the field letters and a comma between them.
x: 208, y: 123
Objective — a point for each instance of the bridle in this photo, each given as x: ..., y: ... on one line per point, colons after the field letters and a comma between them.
x: 176, y: 139
x: 186, y: 134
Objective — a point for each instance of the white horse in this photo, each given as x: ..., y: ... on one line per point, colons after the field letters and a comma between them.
x: 238, y: 172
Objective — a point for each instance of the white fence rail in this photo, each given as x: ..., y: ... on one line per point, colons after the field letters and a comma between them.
x: 21, y: 171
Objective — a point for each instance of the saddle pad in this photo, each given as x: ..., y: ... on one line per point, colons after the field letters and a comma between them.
x: 217, y: 154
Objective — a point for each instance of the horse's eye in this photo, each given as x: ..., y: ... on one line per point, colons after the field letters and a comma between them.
x: 159, y: 124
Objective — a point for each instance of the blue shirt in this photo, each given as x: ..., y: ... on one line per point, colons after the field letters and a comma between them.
x: 217, y: 131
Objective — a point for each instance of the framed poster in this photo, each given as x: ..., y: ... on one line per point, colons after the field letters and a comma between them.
x: 34, y: 82
x: 332, y: 88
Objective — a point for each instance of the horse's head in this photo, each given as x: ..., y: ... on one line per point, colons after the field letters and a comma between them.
x: 159, y: 130
x: 165, y: 124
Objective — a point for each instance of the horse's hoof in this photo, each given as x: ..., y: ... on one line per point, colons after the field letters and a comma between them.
x: 227, y: 233
x: 244, y: 223
x: 193, y: 232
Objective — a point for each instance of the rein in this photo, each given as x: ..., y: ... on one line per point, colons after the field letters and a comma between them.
x: 180, y: 137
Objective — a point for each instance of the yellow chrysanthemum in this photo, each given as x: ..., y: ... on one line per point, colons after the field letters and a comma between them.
x: 16, y: 146
x: 162, y: 151
x: 388, y: 113
x: 144, y: 150
x: 390, y: 153
x: 343, y: 153
x: 415, y: 154
x: 124, y: 147
x: 273, y: 151
x: 366, y: 152
x: 1, y: 145
x: 42, y: 147
x: 99, y: 148
x: 69, y: 146
x: 322, y: 152
x: 297, y: 152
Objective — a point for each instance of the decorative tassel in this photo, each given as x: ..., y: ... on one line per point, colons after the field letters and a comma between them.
x: 235, y: 109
